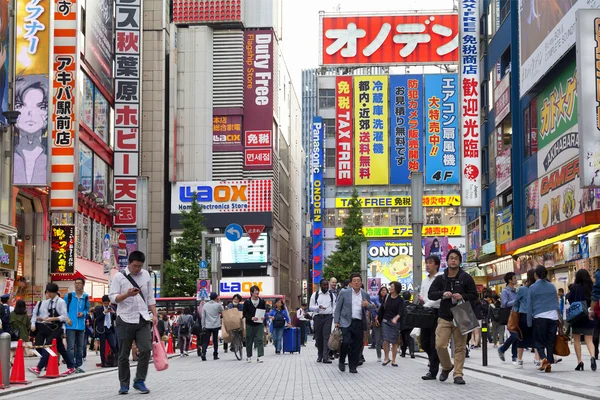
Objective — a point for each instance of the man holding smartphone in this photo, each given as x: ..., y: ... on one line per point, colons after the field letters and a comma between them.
x: 132, y: 291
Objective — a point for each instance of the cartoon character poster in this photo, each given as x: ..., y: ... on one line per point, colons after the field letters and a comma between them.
x: 391, y: 260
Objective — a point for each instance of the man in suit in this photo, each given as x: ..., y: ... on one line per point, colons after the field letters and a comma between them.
x: 104, y: 317
x: 350, y: 314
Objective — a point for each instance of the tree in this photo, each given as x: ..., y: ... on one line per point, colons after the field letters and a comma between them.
x: 180, y: 273
x: 345, y: 260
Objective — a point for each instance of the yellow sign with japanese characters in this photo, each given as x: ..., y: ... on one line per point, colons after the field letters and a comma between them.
x: 399, y: 201
x: 406, y: 231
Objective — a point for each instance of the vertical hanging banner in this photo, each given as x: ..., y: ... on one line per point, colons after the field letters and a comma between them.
x: 588, y: 91
x: 441, y: 127
x: 63, y: 193
x: 406, y: 102
x: 317, y: 196
x: 343, y: 130
x: 127, y: 110
x: 371, y: 148
x: 469, y: 84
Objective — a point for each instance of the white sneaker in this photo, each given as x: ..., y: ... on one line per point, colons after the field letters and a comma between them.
x: 259, y: 361
x: 519, y: 364
x: 249, y: 360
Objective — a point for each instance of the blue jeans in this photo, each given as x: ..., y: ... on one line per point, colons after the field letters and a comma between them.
x: 278, y: 338
x: 75, y: 344
x: 513, y: 341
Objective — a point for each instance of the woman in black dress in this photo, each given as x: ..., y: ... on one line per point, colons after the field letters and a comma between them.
x: 582, y: 291
x: 389, y: 316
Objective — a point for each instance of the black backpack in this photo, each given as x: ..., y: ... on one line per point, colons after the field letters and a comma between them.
x: 279, y: 320
x: 184, y: 328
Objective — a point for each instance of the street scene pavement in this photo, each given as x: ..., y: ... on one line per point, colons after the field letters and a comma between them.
x: 298, y: 376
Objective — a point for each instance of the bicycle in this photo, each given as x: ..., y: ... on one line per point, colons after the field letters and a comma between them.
x: 236, y: 343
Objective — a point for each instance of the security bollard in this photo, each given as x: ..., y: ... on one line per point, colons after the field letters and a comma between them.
x: 5, y: 357
x: 484, y: 343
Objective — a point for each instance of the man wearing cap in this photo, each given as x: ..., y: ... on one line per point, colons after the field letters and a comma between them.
x: 211, y: 324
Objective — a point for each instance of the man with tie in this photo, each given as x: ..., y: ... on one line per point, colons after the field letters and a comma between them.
x: 104, y: 317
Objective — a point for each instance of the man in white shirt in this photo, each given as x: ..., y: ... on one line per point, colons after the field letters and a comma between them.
x: 303, y: 322
x: 132, y: 291
x: 432, y: 266
x: 322, y: 303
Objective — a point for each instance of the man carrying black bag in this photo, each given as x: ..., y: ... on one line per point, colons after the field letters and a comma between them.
x: 432, y: 266
x: 453, y: 287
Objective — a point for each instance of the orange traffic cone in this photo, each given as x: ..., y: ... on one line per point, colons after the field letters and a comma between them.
x: 170, y: 348
x: 17, y: 374
x: 193, y: 343
x: 52, y: 367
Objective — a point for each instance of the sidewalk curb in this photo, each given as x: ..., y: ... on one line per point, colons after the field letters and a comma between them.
x: 527, y: 382
x: 18, y: 388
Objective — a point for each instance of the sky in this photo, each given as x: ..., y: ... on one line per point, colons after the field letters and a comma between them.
x: 301, y: 26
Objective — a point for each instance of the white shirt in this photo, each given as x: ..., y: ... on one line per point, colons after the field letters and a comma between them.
x: 323, y: 300
x: 107, y: 318
x: 130, y: 309
x: 300, y: 314
x: 553, y: 315
x: 357, y: 304
x: 425, y: 285
x: 44, y: 310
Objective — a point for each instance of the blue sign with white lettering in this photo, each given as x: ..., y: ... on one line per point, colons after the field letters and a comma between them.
x: 233, y: 232
x: 203, y: 264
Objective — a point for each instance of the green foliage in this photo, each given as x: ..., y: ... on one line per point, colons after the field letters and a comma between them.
x: 180, y: 273
x: 345, y: 260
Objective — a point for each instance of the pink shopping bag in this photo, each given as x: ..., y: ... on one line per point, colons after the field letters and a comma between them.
x: 159, y: 353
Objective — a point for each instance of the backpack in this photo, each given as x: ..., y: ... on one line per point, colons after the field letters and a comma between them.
x: 184, y: 328
x: 5, y: 317
x: 70, y: 297
x: 317, y: 297
x: 279, y: 320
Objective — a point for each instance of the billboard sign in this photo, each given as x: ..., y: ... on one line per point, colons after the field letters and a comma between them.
x: 243, y: 251
x: 399, y: 201
x: 371, y: 147
x: 560, y: 194
x: 559, y: 151
x: 343, y: 130
x: 406, y: 101
x: 502, y: 99
x: 62, y: 258
x: 222, y: 196
x: 389, y: 39
x: 99, y: 40
x: 317, y: 197
x: 266, y: 284
x: 406, y: 231
x: 503, y: 171
x: 441, y: 129
x: 504, y: 225
x: 227, y: 133
x: 470, y: 100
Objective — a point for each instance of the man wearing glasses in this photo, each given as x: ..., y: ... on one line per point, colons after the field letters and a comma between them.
x: 78, y: 306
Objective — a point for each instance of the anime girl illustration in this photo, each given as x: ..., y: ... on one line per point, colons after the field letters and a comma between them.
x: 3, y: 58
x: 30, y: 157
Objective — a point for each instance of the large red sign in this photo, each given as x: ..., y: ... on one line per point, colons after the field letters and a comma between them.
x: 389, y: 39
x: 343, y: 130
x: 258, y: 157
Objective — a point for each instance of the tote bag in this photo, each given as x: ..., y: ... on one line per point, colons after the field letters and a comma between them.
x: 464, y: 317
x: 159, y: 353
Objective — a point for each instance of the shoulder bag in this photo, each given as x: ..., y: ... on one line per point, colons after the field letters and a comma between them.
x: 561, y: 346
x: 577, y: 311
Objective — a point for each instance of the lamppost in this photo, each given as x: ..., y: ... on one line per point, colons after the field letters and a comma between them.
x: 153, y: 273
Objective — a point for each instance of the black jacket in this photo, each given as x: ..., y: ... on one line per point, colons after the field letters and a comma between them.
x: 462, y: 283
x: 250, y: 310
x: 99, y: 319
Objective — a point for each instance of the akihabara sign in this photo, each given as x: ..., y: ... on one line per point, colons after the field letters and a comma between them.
x: 222, y: 196
x: 389, y: 39
x: 127, y: 111
x: 343, y: 130
x: 470, y: 123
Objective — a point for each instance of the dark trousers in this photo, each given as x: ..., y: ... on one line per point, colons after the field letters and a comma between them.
x: 407, y: 341
x: 303, y: 331
x: 428, y: 345
x: 322, y: 333
x: 126, y: 334
x: 544, y: 335
x: 110, y: 337
x: 184, y: 342
x: 44, y: 336
x: 352, y: 343
x: 214, y: 333
x: 512, y: 341
x: 596, y: 336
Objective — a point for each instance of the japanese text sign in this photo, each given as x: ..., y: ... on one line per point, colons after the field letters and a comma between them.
x: 470, y: 101
x: 62, y: 260
x: 389, y: 39
x: 227, y: 133
x: 64, y: 119
x: 371, y: 148
x: 406, y: 102
x: 343, y: 130
x: 399, y: 201
x: 503, y: 171
x: 406, y: 231
x: 502, y: 100
x: 317, y: 200
x: 441, y: 127
x: 127, y: 110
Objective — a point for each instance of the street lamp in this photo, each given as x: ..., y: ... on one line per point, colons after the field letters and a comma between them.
x: 152, y: 273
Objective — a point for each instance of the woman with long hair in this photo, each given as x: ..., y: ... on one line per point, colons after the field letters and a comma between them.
x: 279, y: 319
x: 388, y: 317
x: 582, y: 291
x: 377, y: 329
x: 521, y: 305
x: 20, y: 323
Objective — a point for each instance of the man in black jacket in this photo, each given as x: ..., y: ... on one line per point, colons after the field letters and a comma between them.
x: 104, y: 318
x: 453, y: 286
x: 254, y: 325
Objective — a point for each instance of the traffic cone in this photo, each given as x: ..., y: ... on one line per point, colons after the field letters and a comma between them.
x: 193, y: 343
x: 17, y: 374
x: 170, y: 348
x: 52, y: 367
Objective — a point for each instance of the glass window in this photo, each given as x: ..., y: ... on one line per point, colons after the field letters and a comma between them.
x: 329, y: 127
x: 330, y: 158
x: 367, y: 216
x: 399, y: 216
x: 100, y: 178
x: 433, y: 215
x: 330, y: 217
x: 101, y: 114
x: 380, y: 216
x: 87, y: 103
x: 326, y: 98
x: 341, y: 217
x: 86, y: 237
x: 533, y: 112
x: 86, y: 165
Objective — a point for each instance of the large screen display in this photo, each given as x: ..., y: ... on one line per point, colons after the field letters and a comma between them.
x: 243, y: 251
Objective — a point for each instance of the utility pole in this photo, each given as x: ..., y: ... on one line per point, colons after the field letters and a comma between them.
x: 416, y: 193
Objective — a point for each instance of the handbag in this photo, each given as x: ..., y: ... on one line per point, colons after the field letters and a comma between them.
x: 418, y: 316
x: 159, y: 353
x: 561, y: 346
x: 513, y: 324
x: 577, y: 311
x: 464, y: 317
x: 335, y: 340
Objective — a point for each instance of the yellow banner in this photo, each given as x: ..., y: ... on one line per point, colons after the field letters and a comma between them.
x: 399, y: 201
x: 406, y: 231
x: 33, y: 37
x: 371, y: 146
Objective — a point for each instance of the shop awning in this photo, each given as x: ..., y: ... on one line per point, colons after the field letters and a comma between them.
x: 574, y: 226
x: 88, y: 270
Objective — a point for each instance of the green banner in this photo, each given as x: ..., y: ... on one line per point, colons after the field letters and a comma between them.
x: 557, y: 106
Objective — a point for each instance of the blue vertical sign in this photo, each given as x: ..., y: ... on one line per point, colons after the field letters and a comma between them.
x: 317, y: 196
x: 442, y: 156
x: 406, y: 103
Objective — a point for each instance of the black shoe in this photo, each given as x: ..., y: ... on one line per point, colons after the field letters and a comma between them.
x: 579, y: 367
x: 360, y: 363
x: 428, y: 377
x: 319, y: 359
x: 327, y: 362
x: 403, y: 355
x: 459, y: 380
x: 342, y: 367
x: 445, y: 373
x: 225, y: 351
x: 412, y: 356
x: 203, y: 357
x: 353, y: 371
x: 593, y: 361
x: 215, y: 357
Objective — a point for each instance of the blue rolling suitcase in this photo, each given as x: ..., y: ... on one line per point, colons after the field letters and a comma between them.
x: 291, y: 340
